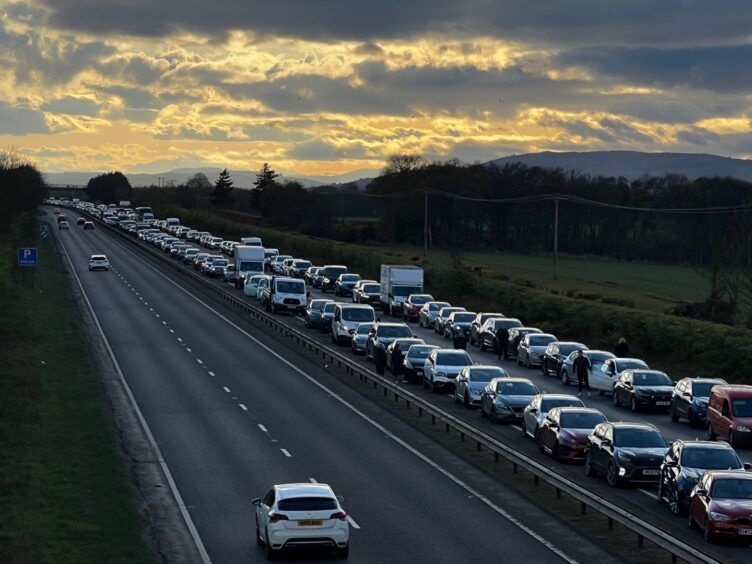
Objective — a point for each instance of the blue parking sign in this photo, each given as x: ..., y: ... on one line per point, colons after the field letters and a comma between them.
x: 27, y: 257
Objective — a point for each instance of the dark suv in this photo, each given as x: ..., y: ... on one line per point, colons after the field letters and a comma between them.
x: 554, y: 356
x: 329, y: 274
x: 690, y: 399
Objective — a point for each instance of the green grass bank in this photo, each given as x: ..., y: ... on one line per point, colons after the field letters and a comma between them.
x: 64, y: 491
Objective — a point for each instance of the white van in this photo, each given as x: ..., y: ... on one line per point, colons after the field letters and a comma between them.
x: 251, y: 241
x: 346, y: 319
x: 285, y: 294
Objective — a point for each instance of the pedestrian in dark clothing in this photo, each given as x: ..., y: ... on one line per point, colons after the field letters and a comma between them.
x: 502, y: 341
x: 379, y: 359
x: 582, y: 366
x: 398, y: 362
x: 622, y: 348
x: 459, y: 340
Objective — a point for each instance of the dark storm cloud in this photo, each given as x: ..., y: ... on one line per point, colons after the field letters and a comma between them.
x: 719, y: 69
x: 576, y: 22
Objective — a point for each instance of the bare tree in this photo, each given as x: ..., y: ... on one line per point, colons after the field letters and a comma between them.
x: 396, y: 164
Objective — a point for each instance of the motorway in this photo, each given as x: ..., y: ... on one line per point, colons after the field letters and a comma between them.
x: 234, y: 411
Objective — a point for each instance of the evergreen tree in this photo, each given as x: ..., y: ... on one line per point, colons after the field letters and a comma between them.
x: 223, y: 189
x: 265, y: 178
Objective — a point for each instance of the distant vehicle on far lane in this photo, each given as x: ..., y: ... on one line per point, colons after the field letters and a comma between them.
x: 99, y: 262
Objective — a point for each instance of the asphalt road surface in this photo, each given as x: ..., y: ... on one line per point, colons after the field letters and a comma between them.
x: 235, y: 411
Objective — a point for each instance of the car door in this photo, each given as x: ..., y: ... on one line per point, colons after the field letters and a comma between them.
x: 547, y: 430
x: 605, y: 376
x: 670, y: 468
x: 595, y: 447
x: 263, y: 509
x: 682, y: 396
x: 606, y: 450
x: 531, y: 415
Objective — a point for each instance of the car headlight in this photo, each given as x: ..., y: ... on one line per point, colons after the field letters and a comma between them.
x: 720, y: 516
x: 742, y: 429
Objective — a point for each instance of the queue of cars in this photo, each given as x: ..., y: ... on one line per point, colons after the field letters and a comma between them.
x: 704, y: 480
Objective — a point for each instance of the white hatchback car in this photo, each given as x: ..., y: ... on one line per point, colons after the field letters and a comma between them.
x: 300, y: 516
x: 99, y: 262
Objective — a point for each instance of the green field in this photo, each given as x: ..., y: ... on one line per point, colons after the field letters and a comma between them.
x: 64, y: 491
x: 649, y: 286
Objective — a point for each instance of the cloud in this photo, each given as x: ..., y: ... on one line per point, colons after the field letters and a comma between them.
x: 21, y: 121
x: 72, y: 105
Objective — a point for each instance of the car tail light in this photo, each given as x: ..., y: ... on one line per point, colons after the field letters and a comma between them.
x: 274, y: 517
x: 341, y: 515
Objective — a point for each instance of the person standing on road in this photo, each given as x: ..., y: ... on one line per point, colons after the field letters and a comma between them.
x: 459, y: 340
x: 622, y: 348
x: 398, y: 362
x: 502, y: 338
x: 582, y: 368
x: 379, y: 359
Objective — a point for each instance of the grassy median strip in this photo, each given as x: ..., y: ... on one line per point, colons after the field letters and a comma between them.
x: 64, y: 491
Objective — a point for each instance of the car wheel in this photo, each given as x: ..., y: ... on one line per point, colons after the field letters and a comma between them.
x: 706, y: 534
x: 589, y: 470
x: 481, y: 344
x: 433, y: 387
x: 456, y: 399
x: 731, y: 441
x: 528, y: 365
x: 674, y: 502
x: 259, y: 540
x: 691, y: 521
x: 711, y: 434
x: 544, y: 370
x: 343, y: 553
x: 492, y: 416
x: 565, y: 377
x: 466, y: 400
x: 633, y: 405
x: 335, y: 340
x: 612, y: 475
x: 615, y: 398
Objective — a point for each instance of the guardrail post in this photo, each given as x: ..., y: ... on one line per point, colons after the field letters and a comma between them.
x: 496, y: 457
x: 433, y: 419
x: 583, y: 508
x: 420, y: 412
x: 462, y: 436
x: 536, y: 480
x: 558, y: 493
x: 610, y: 524
x: 640, y: 542
x: 478, y: 446
x: 446, y: 427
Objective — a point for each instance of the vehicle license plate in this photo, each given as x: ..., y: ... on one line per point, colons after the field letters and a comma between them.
x: 651, y: 472
x: 745, y: 531
x: 310, y: 523
x: 663, y: 403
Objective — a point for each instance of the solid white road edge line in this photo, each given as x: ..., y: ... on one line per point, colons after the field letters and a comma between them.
x: 469, y: 489
x: 243, y: 407
x: 352, y: 522
x: 648, y: 493
x: 260, y: 426
x: 145, y: 426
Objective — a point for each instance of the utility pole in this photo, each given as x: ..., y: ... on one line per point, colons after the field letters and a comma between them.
x: 425, y: 224
x: 556, y: 238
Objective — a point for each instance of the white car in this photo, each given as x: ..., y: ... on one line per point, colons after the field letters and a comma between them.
x: 442, y: 367
x: 603, y: 377
x: 99, y: 262
x: 301, y: 515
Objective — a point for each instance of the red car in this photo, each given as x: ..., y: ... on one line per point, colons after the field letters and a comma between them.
x: 411, y: 306
x: 721, y: 504
x: 564, y: 431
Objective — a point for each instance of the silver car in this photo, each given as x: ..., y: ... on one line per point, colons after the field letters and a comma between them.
x: 428, y: 313
x: 538, y: 408
x: 472, y: 380
x: 441, y: 318
x: 360, y: 338
x: 597, y: 358
x: 504, y: 399
x: 442, y: 367
x: 532, y: 346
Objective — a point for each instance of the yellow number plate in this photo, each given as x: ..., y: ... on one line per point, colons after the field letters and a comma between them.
x: 310, y: 523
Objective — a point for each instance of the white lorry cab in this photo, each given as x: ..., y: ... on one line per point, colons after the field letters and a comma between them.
x: 397, y: 283
x: 251, y: 241
x: 249, y: 260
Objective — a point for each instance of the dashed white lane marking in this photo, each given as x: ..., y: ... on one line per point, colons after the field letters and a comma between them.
x: 199, y: 361
x: 313, y: 480
x: 352, y: 522
x: 211, y: 373
x: 243, y: 407
x: 648, y: 493
x: 156, y: 314
x: 172, y: 330
x: 260, y: 426
x: 189, y: 349
x: 287, y: 454
x: 180, y: 340
x: 164, y: 323
x: 226, y: 389
x: 151, y: 309
x: 516, y: 427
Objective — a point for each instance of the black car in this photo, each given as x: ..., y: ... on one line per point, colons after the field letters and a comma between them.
x: 643, y: 389
x: 554, y: 356
x: 491, y: 326
x: 690, y: 399
x: 625, y: 453
x: 478, y: 322
x: 685, y: 463
x: 329, y: 274
x: 327, y: 313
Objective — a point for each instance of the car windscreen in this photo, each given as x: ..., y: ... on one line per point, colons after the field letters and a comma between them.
x: 709, y: 458
x: 516, y: 389
x: 702, y: 389
x: 731, y: 488
x: 629, y: 364
x: 581, y: 420
x: 333, y: 273
x: 547, y: 404
x: 350, y: 278
x: 485, y: 374
x: 316, y: 304
x: 330, y: 307
x: 357, y: 314
x: 217, y: 262
x: 302, y: 264
x: 419, y: 352
x: 742, y: 407
x: 251, y: 265
x: 651, y: 379
x: 405, y: 344
x: 405, y: 290
x: 393, y: 331
x: 508, y: 323
x: 638, y: 438
x: 290, y: 287
x: 371, y: 288
x: 307, y: 504
x: 364, y: 328
x: 453, y: 359
x: 420, y: 300
x: 566, y: 349
x: 597, y: 359
x: 446, y: 312
x: 437, y: 306
x: 464, y: 317
x: 541, y: 340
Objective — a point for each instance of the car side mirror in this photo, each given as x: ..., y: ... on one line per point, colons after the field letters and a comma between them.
x: 747, y: 466
x: 533, y: 410
x: 628, y: 385
x: 701, y: 493
x: 256, y: 501
x: 687, y: 395
x: 553, y: 425
x: 606, y: 442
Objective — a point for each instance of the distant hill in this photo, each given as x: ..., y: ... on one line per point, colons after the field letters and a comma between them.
x: 633, y: 164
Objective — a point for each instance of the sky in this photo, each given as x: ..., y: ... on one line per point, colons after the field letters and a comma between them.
x: 329, y: 86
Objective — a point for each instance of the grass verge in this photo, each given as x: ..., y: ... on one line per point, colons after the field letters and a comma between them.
x: 64, y: 491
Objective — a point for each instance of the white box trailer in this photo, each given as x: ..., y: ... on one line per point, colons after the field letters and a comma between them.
x: 397, y: 283
x: 248, y: 260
